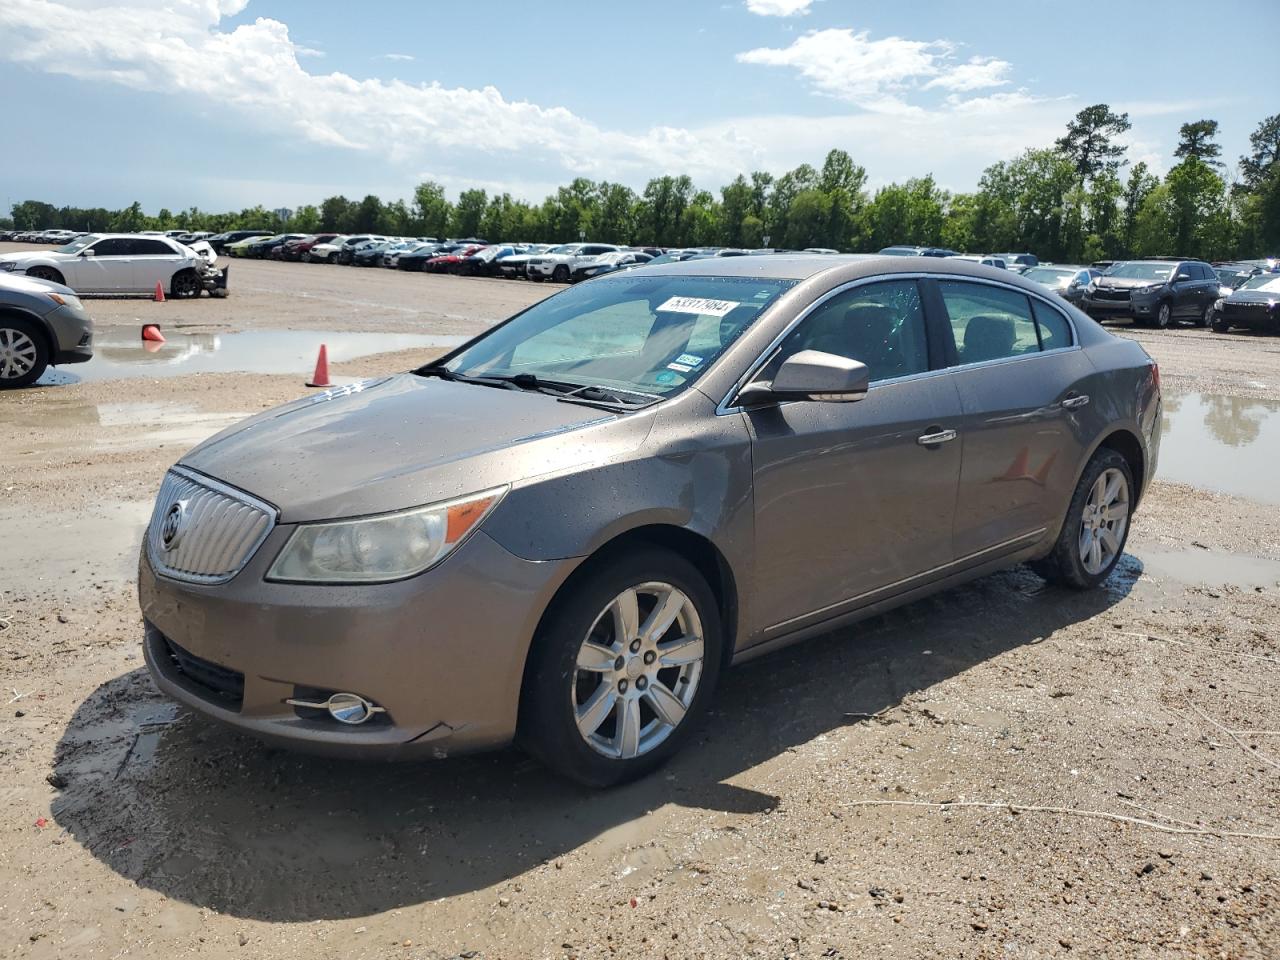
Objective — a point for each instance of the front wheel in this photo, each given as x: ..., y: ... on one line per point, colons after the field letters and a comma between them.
x: 1097, y: 525
x: 560, y: 274
x: 1163, y: 315
x: 184, y: 285
x: 23, y: 354
x: 1221, y: 326
x: 623, y: 668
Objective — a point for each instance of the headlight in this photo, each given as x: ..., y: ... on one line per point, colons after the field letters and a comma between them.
x: 390, y: 546
x: 8, y: 266
x: 1150, y: 288
x: 66, y: 300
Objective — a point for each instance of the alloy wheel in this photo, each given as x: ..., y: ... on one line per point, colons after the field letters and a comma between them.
x: 1104, y: 520
x: 1162, y: 316
x: 186, y: 285
x: 638, y: 670
x: 17, y: 353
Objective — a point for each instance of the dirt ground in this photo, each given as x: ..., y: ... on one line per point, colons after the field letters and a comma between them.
x: 1004, y: 770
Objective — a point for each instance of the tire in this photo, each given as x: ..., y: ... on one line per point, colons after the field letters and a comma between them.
x: 1067, y: 564
x: 1206, y: 318
x: 630, y: 737
x: 24, y: 353
x: 1221, y: 326
x: 560, y: 274
x: 46, y: 273
x: 1163, y: 315
x: 185, y: 285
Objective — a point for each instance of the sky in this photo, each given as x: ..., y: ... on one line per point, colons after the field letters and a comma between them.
x: 224, y: 104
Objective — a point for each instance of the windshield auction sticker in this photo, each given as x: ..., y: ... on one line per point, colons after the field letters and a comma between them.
x: 699, y: 305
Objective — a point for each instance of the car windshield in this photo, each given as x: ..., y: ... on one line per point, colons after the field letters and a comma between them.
x: 653, y: 335
x: 564, y: 248
x: 1232, y: 276
x: 1268, y: 282
x: 75, y: 246
x: 1141, y: 271
x: 1049, y: 275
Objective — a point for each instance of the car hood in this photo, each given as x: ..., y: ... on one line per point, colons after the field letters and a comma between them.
x: 404, y: 441
x: 20, y: 283
x: 36, y: 255
x: 1254, y: 296
x: 1126, y: 283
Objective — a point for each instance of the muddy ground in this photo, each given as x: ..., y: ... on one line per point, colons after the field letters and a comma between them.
x: 1004, y: 770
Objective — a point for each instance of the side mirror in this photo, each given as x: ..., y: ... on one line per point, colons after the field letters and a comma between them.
x: 811, y: 375
x: 88, y: 252
x: 1183, y: 276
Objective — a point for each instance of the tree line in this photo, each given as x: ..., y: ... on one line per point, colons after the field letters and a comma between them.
x: 1071, y: 201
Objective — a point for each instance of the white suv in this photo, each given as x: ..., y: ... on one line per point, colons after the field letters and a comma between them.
x: 116, y: 263
x: 558, y: 262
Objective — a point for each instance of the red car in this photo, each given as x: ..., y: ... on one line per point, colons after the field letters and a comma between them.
x: 451, y: 262
x: 294, y: 249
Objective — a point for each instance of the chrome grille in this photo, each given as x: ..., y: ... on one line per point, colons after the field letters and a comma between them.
x: 219, y: 530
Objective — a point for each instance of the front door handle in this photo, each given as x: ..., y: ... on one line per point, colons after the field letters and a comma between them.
x: 941, y: 436
x: 1073, y: 402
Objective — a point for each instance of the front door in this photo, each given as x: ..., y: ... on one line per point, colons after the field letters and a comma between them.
x: 106, y: 270
x: 848, y: 499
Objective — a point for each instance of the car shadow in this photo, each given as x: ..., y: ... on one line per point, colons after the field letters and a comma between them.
x: 206, y: 816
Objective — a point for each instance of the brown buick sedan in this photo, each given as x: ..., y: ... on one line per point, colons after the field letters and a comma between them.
x: 562, y: 533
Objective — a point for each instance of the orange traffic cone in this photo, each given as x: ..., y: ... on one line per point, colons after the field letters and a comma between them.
x: 151, y: 331
x: 159, y: 298
x: 321, y: 377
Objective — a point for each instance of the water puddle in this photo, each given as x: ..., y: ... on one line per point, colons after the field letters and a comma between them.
x: 1211, y: 568
x: 1227, y: 444
x: 120, y: 353
x: 97, y: 543
x: 107, y: 426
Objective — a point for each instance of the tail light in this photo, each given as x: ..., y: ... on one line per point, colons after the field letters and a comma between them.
x: 1155, y: 374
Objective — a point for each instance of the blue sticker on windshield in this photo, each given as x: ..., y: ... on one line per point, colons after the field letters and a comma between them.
x: 666, y: 376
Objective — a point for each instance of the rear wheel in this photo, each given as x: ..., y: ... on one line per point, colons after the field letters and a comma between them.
x: 24, y: 355
x: 623, y: 668
x: 45, y: 273
x: 1206, y: 318
x: 1097, y: 525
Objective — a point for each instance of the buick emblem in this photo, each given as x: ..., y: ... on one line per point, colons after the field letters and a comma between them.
x: 172, y: 525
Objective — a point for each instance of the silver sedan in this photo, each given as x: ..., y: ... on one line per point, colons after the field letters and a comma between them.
x: 563, y: 532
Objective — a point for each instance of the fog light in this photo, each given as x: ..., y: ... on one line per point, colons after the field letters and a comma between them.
x: 349, y: 708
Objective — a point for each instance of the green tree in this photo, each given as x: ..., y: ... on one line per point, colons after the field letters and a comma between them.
x: 1264, y: 144
x: 736, y: 205
x: 615, y: 213
x: 912, y: 212
x: 468, y: 212
x: 662, y: 206
x: 306, y: 219
x: 1088, y: 142
x: 431, y: 210
x: 129, y: 220
x: 1136, y: 190
x: 1198, y: 140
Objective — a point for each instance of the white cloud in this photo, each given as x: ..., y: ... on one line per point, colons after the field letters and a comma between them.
x: 396, y: 56
x: 176, y: 47
x: 978, y: 74
x: 308, y: 51
x: 876, y: 74
x: 779, y: 8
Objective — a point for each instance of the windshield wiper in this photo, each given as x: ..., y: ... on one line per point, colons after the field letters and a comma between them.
x: 444, y: 373
x: 560, y: 389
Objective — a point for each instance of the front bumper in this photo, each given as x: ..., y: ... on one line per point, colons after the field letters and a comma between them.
x: 73, y: 332
x: 443, y: 652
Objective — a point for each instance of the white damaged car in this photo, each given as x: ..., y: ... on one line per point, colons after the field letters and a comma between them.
x: 124, y: 263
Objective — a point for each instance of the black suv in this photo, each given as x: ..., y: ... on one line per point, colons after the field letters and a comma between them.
x: 1154, y: 292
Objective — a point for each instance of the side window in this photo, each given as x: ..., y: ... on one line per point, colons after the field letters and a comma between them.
x: 112, y: 247
x: 988, y: 323
x: 1055, y: 332
x: 151, y: 248
x: 879, y: 324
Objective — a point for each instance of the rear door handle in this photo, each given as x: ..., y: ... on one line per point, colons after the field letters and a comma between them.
x: 942, y: 436
x: 1079, y: 400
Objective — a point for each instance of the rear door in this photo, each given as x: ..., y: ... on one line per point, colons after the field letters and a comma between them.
x: 1021, y: 380
x: 154, y: 261
x: 850, y: 503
